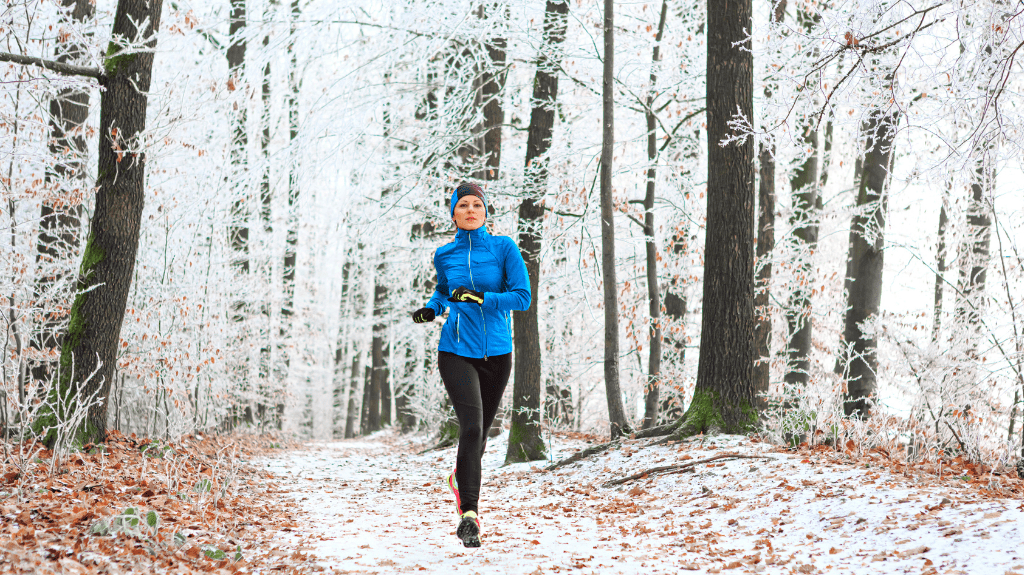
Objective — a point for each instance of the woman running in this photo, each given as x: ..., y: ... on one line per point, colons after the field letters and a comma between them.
x: 480, y: 279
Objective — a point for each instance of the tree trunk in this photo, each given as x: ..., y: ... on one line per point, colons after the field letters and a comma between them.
x: 364, y: 426
x: 864, y: 278
x: 238, y: 233
x: 292, y: 226
x: 353, y: 413
x: 60, y: 221
x: 940, y: 267
x: 804, y: 184
x: 652, y: 396
x: 339, y: 404
x: 724, y: 395
x: 616, y: 414
x: 762, y: 298
x: 525, y: 442
x: 974, y: 270
x: 89, y: 352
x: 384, y: 379
x: 494, y: 113
x: 378, y: 379
x: 675, y: 312
x: 765, y: 247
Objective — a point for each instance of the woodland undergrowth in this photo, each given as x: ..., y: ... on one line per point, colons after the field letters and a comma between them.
x: 143, y: 505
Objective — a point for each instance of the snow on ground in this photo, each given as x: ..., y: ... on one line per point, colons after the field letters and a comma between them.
x: 376, y: 506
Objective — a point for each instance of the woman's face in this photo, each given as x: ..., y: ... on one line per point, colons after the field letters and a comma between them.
x: 469, y: 213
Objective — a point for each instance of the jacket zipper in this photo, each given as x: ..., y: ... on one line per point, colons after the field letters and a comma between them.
x: 469, y: 263
x: 458, y: 319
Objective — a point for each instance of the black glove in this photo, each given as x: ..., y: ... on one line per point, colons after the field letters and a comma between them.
x: 423, y: 315
x: 464, y: 294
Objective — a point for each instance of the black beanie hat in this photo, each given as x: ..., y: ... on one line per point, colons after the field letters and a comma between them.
x: 467, y: 189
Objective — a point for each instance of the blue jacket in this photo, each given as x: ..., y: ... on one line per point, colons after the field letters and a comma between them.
x: 488, y: 264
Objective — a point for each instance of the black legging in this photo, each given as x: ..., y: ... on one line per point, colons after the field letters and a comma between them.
x: 475, y: 386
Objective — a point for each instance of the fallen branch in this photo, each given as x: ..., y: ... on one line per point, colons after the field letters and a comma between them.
x: 659, y: 431
x: 679, y: 467
x: 581, y: 455
x: 441, y: 445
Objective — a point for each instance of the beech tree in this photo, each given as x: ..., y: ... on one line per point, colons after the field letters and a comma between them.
x: 653, y: 395
x: 616, y: 414
x: 60, y: 221
x: 724, y: 395
x: 89, y: 349
x: 859, y: 364
x: 525, y: 441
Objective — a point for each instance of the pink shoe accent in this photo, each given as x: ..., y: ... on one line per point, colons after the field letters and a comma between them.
x: 455, y: 491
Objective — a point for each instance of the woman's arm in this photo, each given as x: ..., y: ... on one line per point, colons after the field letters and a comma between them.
x: 517, y: 294
x: 439, y: 300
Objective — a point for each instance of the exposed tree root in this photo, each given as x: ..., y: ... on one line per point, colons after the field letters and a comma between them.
x: 679, y: 467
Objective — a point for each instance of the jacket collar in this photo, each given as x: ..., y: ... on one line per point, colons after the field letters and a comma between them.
x: 477, y: 234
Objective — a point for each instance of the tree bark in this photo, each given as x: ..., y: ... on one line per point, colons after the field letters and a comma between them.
x: 652, y: 397
x: 675, y: 312
x: 291, y: 241
x: 60, y: 220
x: 494, y: 112
x: 239, y: 230
x: 89, y: 352
x: 342, y: 344
x: 724, y: 394
x: 617, y: 421
x: 974, y: 270
x: 804, y: 184
x: 525, y: 442
x: 864, y: 264
x: 940, y: 268
x: 765, y: 247
x: 353, y: 413
x: 378, y: 380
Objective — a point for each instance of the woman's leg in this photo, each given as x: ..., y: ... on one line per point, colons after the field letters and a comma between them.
x: 493, y: 373
x: 463, y: 385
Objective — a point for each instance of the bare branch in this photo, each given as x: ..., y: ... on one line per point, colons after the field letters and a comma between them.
x: 59, y: 67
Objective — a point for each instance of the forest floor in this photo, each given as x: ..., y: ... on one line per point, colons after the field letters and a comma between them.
x: 375, y: 505
x: 255, y: 504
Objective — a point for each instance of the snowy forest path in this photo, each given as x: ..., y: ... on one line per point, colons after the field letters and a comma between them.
x: 375, y: 505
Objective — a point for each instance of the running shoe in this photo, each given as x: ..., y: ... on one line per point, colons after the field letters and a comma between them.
x: 454, y: 486
x: 469, y: 529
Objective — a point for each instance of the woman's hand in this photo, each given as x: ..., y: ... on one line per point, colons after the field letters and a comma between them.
x: 463, y: 294
x: 423, y: 315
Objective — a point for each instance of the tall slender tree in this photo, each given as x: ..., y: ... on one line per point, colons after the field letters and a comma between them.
x: 765, y: 247
x: 60, y: 221
x: 493, y: 89
x: 940, y: 267
x: 804, y: 183
x: 616, y: 414
x: 89, y: 350
x: 859, y: 362
x: 652, y: 396
x: 291, y: 241
x: 525, y: 441
x: 238, y: 231
x: 724, y: 394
